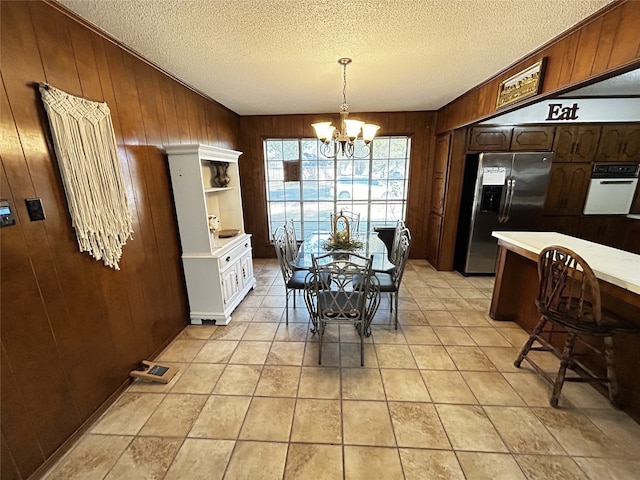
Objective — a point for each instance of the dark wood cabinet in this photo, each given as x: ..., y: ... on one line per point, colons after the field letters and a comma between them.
x: 441, y: 155
x: 619, y: 143
x: 567, y: 188
x: 490, y: 139
x: 437, y: 195
x: 576, y: 143
x: 532, y: 138
x: 569, y: 225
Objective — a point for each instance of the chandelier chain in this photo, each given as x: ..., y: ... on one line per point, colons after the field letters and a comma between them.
x: 344, y: 87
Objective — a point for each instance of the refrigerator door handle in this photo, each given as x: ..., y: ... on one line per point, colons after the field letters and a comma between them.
x: 510, y: 202
x: 502, y: 217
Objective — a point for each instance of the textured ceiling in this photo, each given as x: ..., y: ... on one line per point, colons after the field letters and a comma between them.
x: 280, y: 56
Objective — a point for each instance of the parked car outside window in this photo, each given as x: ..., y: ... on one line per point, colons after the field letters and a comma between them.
x: 357, y: 188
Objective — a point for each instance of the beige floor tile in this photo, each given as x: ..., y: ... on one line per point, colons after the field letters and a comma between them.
x: 469, y: 428
x: 515, y: 335
x: 91, y: 458
x: 309, y: 461
x: 250, y: 353
x: 395, y: 356
x: 201, y: 459
x: 471, y: 318
x: 502, y: 358
x: 198, y: 378
x: 445, y: 292
x: 487, y: 337
x: 404, y: 385
x: 578, y: 435
x: 260, y: 331
x: 388, y: 334
x: 453, y: 336
x: 244, y: 313
x: 429, y: 303
x: 330, y: 354
x: 522, y: 432
x: 441, y: 318
x: 456, y: 304
x: 278, y: 289
x: 350, y: 355
x: 532, y: 388
x: 146, y: 457
x: 490, y: 466
x: 470, y: 358
x: 609, y: 469
x: 412, y: 317
x: 319, y: 382
x: 434, y: 357
x: 252, y: 300
x: 420, y: 335
x: 543, y: 467
x: 128, y: 414
x: 362, y: 384
x: 478, y: 304
x: 417, y: 425
x: 317, y: 421
x: 293, y: 332
x: 238, y: 380
x: 349, y: 334
x: 198, y: 332
x: 471, y: 292
x: 584, y: 395
x: 263, y: 460
x: 268, y: 315
x: 368, y: 463
x: 234, y: 331
x: 447, y: 387
x: 221, y: 417
x: 375, y: 415
x: 430, y: 464
x: 274, y: 301
x: 278, y: 381
x: 268, y: 419
x: 174, y: 416
x: 181, y: 350
x: 408, y: 304
x: 617, y: 424
x: 286, y: 353
x: 490, y: 388
x: 216, y: 351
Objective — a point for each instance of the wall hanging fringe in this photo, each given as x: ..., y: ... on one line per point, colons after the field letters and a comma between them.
x: 85, y: 145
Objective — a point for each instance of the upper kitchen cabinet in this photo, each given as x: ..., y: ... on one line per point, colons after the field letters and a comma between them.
x: 619, y: 143
x: 532, y: 138
x: 490, y: 139
x: 576, y: 143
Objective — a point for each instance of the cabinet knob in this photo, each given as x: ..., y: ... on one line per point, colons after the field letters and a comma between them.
x: 246, y: 245
x: 227, y: 259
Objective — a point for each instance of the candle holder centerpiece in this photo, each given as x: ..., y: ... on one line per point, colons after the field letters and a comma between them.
x: 340, y: 239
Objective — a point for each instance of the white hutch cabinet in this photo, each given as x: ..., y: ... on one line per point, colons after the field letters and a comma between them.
x: 219, y: 272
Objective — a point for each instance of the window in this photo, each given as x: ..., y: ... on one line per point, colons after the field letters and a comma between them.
x: 376, y: 186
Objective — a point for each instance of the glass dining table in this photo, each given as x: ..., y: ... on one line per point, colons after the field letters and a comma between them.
x: 371, y: 245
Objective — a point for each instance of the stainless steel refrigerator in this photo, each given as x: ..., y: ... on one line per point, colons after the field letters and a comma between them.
x: 501, y: 191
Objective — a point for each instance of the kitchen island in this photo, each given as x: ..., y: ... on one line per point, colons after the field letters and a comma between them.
x: 618, y: 273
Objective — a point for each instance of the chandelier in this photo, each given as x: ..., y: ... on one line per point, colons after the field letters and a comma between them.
x: 343, y: 141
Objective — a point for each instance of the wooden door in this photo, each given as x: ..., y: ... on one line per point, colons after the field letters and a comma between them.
x: 490, y: 139
x: 576, y: 143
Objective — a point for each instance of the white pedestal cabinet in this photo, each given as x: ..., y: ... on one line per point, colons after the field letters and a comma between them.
x: 218, y: 272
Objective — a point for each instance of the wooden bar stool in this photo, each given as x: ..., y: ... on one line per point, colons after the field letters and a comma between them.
x: 569, y: 303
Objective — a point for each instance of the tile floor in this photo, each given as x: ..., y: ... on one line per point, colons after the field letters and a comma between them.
x: 437, y: 399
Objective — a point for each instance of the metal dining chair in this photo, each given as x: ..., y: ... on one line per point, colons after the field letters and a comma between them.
x: 292, y: 241
x: 294, y: 279
x: 569, y: 303
x: 342, y: 291
x: 390, y: 280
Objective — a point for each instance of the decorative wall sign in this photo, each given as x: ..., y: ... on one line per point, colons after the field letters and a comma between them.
x: 522, y: 85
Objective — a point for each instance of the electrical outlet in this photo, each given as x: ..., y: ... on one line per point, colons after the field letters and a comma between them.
x: 34, y: 207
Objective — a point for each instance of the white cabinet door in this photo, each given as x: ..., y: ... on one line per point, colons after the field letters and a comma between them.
x: 231, y: 282
x: 246, y: 266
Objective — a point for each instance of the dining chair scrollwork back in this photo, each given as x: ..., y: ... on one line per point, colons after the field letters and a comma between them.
x: 342, y: 290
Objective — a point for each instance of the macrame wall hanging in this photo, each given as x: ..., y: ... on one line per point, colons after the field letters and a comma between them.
x: 85, y: 145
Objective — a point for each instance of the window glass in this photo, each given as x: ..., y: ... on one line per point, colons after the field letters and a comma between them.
x: 375, y: 186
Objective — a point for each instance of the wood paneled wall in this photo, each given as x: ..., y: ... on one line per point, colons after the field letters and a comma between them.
x: 254, y: 129
x: 72, y: 329
x: 603, y: 43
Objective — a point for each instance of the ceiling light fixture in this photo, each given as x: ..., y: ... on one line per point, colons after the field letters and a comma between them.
x: 343, y: 141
